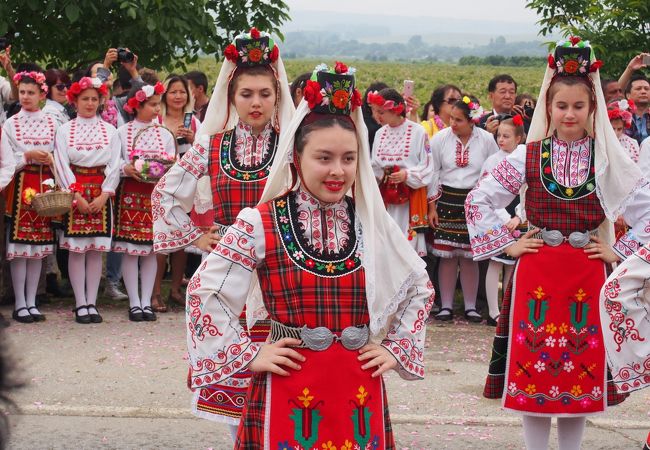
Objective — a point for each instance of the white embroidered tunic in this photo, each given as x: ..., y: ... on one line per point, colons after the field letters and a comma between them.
x: 88, y: 143
x: 7, y: 165
x: 569, y: 163
x: 406, y: 146
x: 173, y: 197
x: 28, y: 130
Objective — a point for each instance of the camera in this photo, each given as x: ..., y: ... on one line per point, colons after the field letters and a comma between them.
x: 4, y: 43
x: 528, y: 111
x: 123, y: 55
x: 501, y: 117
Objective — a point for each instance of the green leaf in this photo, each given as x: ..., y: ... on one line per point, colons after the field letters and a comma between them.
x: 72, y: 12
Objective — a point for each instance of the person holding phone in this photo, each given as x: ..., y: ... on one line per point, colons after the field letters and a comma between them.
x: 177, y: 108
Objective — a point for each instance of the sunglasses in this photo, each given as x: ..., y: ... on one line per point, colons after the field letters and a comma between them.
x: 62, y: 86
x: 452, y: 100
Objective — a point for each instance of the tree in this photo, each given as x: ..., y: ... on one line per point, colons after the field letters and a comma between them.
x: 617, y: 29
x: 163, y: 33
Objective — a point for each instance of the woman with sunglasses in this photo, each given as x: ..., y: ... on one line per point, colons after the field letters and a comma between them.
x: 442, y: 100
x: 58, y: 82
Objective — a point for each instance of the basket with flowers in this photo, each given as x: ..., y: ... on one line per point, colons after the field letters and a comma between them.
x: 52, y: 201
x: 151, y: 168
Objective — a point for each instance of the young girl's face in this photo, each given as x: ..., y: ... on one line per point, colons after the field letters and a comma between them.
x: 254, y: 99
x: 570, y: 107
x: 460, y: 125
x: 328, y: 162
x: 507, y: 138
x: 383, y: 116
x: 87, y: 103
x: 150, y: 109
x: 30, y: 95
x: 619, y: 127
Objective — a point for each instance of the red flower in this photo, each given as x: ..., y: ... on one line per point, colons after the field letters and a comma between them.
x: 356, y: 99
x: 517, y: 120
x: 312, y: 93
x: 275, y: 53
x: 231, y: 53
x: 159, y: 89
x: 595, y: 65
x: 133, y: 103
x: 349, y: 264
x: 551, y: 61
x: 103, y: 90
x: 76, y: 187
x: 340, y: 67
x: 255, y: 34
x: 75, y: 89
x: 310, y: 263
x: 571, y: 66
x: 255, y: 54
x: 547, y: 170
x: 340, y: 99
x: 574, y: 40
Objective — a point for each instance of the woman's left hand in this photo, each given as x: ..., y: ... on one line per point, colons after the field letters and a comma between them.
x: 98, y: 203
x: 186, y: 133
x: 378, y: 356
x: 598, y: 249
x: 398, y: 177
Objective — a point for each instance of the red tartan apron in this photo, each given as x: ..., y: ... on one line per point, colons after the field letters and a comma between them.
x: 309, y: 410
x: 25, y: 225
x: 89, y: 225
x: 134, y: 221
x: 556, y: 363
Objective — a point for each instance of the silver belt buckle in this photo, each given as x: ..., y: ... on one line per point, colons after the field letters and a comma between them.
x: 552, y: 237
x: 321, y: 338
x: 578, y: 239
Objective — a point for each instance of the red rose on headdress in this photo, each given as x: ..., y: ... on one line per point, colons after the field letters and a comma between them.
x: 595, y: 65
x: 574, y: 40
x: 356, y: 99
x: 340, y: 98
x: 231, y: 53
x: 255, y: 54
x: 75, y: 89
x: 517, y: 120
x: 551, y: 61
x: 133, y: 103
x: 340, y: 67
x: 255, y: 34
x: 275, y: 53
x: 312, y: 93
x: 140, y: 96
x: 571, y: 66
x: 158, y: 88
x: 103, y: 90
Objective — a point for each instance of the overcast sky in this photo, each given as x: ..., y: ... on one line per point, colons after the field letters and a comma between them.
x: 501, y: 10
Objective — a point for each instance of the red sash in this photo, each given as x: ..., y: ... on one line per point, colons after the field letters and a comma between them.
x: 134, y: 221
x: 89, y: 225
x: 343, y: 409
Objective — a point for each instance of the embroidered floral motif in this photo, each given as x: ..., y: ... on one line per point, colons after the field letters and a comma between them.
x: 508, y: 177
x: 567, y: 171
x: 239, y: 172
x: 491, y: 242
x: 462, y: 154
x: 627, y: 245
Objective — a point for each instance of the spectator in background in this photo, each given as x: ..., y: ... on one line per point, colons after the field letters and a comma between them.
x: 371, y: 123
x: 502, y: 92
x: 528, y: 103
x: 612, y: 90
x: 8, y: 90
x: 621, y: 114
x: 297, y: 87
x: 639, y: 92
x: 442, y: 100
x: 427, y: 112
x: 198, y: 83
x: 58, y: 82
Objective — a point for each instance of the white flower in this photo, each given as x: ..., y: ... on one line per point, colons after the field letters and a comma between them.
x: 96, y: 82
x: 562, y: 342
x: 555, y: 391
x: 623, y: 105
x: 322, y: 67
x: 550, y: 341
x: 540, y: 366
x: 596, y: 392
x: 49, y: 183
x: 352, y: 70
x: 148, y: 90
x: 512, y: 387
x: 568, y: 366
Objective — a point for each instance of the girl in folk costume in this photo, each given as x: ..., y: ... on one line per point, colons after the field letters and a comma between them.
x: 626, y: 331
x: 620, y: 115
x: 141, y: 139
x: 510, y: 134
x: 548, y: 349
x: 458, y: 154
x: 402, y: 164
x: 87, y: 155
x: 340, y: 283
x: 29, y: 135
x: 224, y: 172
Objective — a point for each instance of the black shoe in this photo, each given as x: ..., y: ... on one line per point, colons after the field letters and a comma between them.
x: 445, y: 314
x: 136, y: 314
x: 38, y: 317
x: 81, y: 319
x: 22, y: 319
x: 94, y: 316
x: 148, y: 315
x: 493, y: 321
x: 473, y: 318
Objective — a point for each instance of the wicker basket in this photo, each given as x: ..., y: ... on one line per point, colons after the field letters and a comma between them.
x: 166, y: 164
x: 53, y: 203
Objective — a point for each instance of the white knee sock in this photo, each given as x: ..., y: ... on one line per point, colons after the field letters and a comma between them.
x: 32, y: 277
x: 77, y: 274
x: 148, y: 268
x: 570, y: 431
x: 18, y: 273
x: 536, y: 432
x: 447, y: 276
x: 492, y: 287
x: 130, y: 277
x: 469, y: 281
x: 93, y: 275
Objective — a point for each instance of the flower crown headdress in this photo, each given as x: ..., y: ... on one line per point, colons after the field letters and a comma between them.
x: 375, y: 98
x: 332, y: 91
x: 252, y: 49
x: 622, y: 109
x: 38, y: 77
x: 86, y: 83
x: 475, y: 109
x: 142, y: 95
x: 572, y: 57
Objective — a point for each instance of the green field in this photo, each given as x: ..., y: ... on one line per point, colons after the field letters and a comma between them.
x: 472, y: 79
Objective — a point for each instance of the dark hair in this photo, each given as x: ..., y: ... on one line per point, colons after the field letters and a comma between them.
x: 519, y: 129
x: 174, y: 78
x: 633, y: 78
x: 299, y: 82
x: 503, y: 78
x: 52, y: 76
x: 149, y: 76
x: 438, y: 95
x: 88, y: 70
x: 252, y: 71
x: 392, y: 94
x: 321, y: 123
x: 29, y: 67
x: 464, y: 108
x: 124, y: 78
x: 198, y: 79
x: 425, y: 111
x: 570, y: 81
x: 523, y: 97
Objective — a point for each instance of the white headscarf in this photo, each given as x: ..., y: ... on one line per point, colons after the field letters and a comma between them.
x: 617, y: 176
x: 390, y: 264
x: 221, y: 114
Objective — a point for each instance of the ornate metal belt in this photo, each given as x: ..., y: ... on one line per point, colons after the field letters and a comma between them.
x: 576, y: 239
x: 321, y: 338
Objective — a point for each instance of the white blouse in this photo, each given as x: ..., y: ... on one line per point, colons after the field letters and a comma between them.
x: 154, y: 141
x: 28, y: 130
x: 631, y: 146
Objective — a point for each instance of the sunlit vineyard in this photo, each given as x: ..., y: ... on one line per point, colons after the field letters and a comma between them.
x: 472, y: 79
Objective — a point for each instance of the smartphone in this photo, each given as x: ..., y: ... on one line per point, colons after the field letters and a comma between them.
x: 646, y: 60
x: 408, y: 88
x: 187, y: 120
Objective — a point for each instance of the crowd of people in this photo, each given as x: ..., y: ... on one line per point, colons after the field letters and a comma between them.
x: 296, y: 272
